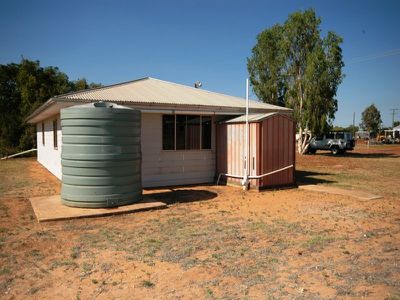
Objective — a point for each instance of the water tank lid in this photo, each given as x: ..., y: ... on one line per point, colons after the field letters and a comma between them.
x: 100, y: 104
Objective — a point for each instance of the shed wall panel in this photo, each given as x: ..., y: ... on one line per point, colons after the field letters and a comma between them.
x: 278, y: 150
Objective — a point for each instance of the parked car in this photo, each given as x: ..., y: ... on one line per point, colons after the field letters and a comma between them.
x: 337, y: 142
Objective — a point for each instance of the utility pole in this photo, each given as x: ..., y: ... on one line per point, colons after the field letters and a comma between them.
x: 393, y: 112
x: 354, y: 123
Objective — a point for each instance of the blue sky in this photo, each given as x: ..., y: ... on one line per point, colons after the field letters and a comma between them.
x: 185, y: 41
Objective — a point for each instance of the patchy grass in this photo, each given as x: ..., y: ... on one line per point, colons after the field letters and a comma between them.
x: 318, y: 242
x: 147, y: 284
x: 67, y: 263
x: 3, y: 212
x: 76, y: 252
x: 366, y: 169
x: 272, y: 244
x: 5, y: 270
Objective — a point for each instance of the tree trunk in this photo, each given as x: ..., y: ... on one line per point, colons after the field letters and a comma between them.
x: 304, y: 141
x: 304, y: 138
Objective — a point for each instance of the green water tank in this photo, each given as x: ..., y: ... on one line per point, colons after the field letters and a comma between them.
x: 100, y: 155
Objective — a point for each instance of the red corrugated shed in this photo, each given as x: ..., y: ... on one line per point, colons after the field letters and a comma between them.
x: 271, y: 147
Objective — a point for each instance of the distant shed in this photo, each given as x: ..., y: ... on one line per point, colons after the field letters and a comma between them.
x: 271, y: 148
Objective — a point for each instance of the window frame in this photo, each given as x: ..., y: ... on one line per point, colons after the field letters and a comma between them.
x: 200, y: 132
x: 55, y: 134
x: 43, y: 135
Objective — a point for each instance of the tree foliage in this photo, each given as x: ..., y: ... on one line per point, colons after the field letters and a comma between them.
x: 23, y: 88
x: 349, y: 128
x: 292, y: 65
x: 371, y: 119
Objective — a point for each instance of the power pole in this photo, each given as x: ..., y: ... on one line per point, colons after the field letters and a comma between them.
x: 393, y: 112
x: 354, y: 121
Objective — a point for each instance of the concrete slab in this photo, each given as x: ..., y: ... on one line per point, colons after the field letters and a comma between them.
x: 50, y: 209
x: 338, y: 191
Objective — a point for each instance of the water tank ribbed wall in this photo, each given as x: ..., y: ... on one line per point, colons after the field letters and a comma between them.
x: 101, y: 155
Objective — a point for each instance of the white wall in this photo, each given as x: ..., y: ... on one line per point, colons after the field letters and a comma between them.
x: 159, y: 167
x: 47, y: 155
x: 162, y: 168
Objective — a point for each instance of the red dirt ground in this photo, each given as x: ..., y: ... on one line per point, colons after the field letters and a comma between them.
x: 213, y: 242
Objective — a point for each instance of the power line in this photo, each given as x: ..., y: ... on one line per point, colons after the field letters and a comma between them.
x: 360, y: 59
x: 393, y: 112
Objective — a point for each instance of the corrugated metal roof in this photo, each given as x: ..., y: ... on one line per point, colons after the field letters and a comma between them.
x: 252, y: 118
x: 154, y: 91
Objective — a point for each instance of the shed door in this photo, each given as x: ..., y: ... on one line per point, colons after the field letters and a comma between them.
x: 253, y: 151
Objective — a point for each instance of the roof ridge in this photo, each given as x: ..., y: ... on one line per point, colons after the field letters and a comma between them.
x: 197, y: 89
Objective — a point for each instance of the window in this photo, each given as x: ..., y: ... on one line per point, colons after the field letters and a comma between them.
x: 330, y: 136
x: 339, y: 135
x: 186, y: 132
x: 43, y: 139
x: 180, y: 132
x: 168, y: 132
x: 55, y: 142
x: 206, y: 132
x: 192, y: 133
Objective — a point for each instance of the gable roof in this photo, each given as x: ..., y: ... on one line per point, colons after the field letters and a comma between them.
x: 151, y: 93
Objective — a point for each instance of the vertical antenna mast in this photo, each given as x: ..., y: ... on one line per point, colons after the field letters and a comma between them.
x: 245, y: 181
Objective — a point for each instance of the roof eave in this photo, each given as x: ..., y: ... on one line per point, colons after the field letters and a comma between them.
x: 146, y: 105
x: 177, y: 106
x: 40, y: 109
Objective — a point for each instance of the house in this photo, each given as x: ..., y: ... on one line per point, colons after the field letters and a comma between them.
x: 178, y: 130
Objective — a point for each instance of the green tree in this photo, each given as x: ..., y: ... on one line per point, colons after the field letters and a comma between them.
x: 371, y: 120
x: 82, y: 84
x: 396, y: 123
x: 36, y: 85
x: 292, y: 65
x: 23, y: 88
x: 352, y: 128
x: 10, y: 120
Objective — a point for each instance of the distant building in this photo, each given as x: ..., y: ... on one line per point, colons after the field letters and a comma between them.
x: 362, y: 135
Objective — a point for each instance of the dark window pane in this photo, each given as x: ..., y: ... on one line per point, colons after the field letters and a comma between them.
x: 340, y: 135
x: 206, y: 126
x: 192, y: 132
x: 330, y: 136
x: 180, y: 132
x: 168, y: 132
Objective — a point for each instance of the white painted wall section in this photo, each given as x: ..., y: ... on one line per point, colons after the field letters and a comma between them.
x: 163, y: 168
x: 47, y: 154
x: 159, y: 167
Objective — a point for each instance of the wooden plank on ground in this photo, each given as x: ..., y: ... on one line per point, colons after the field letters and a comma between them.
x: 50, y: 208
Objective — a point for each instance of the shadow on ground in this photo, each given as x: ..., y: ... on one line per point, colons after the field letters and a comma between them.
x: 180, y: 196
x: 360, y: 155
x: 309, y: 177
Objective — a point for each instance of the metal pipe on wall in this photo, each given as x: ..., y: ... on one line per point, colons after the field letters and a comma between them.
x: 254, y: 176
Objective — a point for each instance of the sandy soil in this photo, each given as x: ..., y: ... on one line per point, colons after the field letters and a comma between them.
x: 213, y: 242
